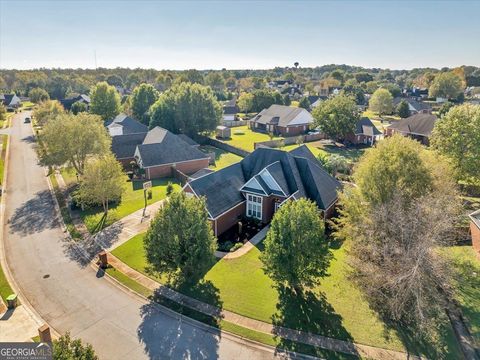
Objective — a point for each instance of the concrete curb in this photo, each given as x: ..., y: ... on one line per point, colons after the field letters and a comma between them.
x: 3, y: 258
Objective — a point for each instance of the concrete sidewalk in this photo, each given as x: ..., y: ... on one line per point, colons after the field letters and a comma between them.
x: 256, y: 325
x: 17, y: 325
x: 249, y: 245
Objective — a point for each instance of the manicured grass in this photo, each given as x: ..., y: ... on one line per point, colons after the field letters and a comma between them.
x: 244, y: 138
x: 225, y: 325
x: 336, y: 308
x: 5, y: 288
x: 351, y: 153
x: 375, y: 116
x: 222, y: 158
x: 466, y: 265
x: 132, y: 200
x: 4, y: 140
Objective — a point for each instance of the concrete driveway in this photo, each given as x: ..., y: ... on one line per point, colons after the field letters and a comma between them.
x: 70, y: 296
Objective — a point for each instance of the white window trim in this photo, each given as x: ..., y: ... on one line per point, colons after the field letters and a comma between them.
x: 254, y: 208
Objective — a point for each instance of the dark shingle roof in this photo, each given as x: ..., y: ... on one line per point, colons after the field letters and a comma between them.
x: 420, y: 124
x: 187, y: 139
x: 417, y: 105
x: 366, y: 127
x: 128, y: 124
x: 160, y: 147
x: 201, y: 172
x: 297, y: 173
x: 7, y: 99
x: 281, y: 115
x: 68, y: 102
x: 123, y: 146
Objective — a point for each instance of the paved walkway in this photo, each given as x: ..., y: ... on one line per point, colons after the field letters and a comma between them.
x: 249, y: 245
x: 17, y: 325
x: 256, y: 325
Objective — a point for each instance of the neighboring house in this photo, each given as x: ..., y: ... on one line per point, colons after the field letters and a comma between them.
x: 283, y: 120
x: 125, y: 125
x: 230, y: 110
x: 279, y: 84
x: 293, y: 91
x: 67, y: 103
x: 475, y: 230
x: 418, y: 126
x: 314, y: 101
x: 162, y: 152
x: 415, y: 107
x: 259, y: 184
x: 10, y: 101
x: 365, y: 133
x: 417, y: 93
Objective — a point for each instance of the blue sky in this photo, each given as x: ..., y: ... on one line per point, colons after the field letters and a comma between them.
x: 238, y: 35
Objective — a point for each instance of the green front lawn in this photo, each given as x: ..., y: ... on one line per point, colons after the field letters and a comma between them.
x: 244, y: 138
x: 222, y: 158
x: 335, y: 308
x: 5, y: 288
x: 466, y: 265
x: 132, y: 200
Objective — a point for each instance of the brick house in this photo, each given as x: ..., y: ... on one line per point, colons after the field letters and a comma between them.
x: 162, y: 151
x: 475, y: 230
x: 365, y: 133
x: 282, y: 120
x: 418, y: 127
x: 82, y: 98
x: 258, y: 185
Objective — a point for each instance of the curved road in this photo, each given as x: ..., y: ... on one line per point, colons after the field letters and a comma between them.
x: 70, y: 297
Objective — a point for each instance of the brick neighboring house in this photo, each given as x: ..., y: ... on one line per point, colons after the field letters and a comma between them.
x: 258, y: 185
x: 415, y: 107
x: 162, y: 152
x: 418, y: 127
x: 282, y: 120
x: 365, y: 133
x: 10, y: 101
x: 475, y: 230
x: 67, y: 103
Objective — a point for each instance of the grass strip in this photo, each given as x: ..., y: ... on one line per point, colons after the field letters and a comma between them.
x: 281, y: 344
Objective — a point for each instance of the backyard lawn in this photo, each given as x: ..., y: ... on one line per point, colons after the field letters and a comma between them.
x: 467, y: 285
x: 335, y: 308
x: 244, y: 138
x: 222, y: 158
x: 132, y: 200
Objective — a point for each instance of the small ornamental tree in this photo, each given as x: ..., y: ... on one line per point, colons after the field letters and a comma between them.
x: 180, y: 240
x: 104, y: 101
x: 66, y: 348
x: 296, y: 251
x: 78, y: 107
x: 101, y: 182
x: 381, y: 102
x: 304, y: 103
x: 3, y: 112
x: 403, y: 110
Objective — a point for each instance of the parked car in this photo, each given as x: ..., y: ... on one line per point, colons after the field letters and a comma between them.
x: 27, y: 120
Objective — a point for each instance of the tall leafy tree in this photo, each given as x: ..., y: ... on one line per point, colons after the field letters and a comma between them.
x: 262, y: 99
x: 457, y: 136
x: 304, y: 103
x: 381, y: 102
x: 78, y: 107
x: 47, y: 110
x: 143, y: 97
x: 215, y: 80
x: 403, y: 210
x: 73, y: 139
x: 38, y: 95
x: 296, y: 251
x: 337, y: 117
x: 101, y: 182
x: 245, y: 102
x: 180, y: 239
x: 115, y: 80
x: 186, y: 108
x: 446, y: 85
x: 104, y: 101
x: 403, y: 110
